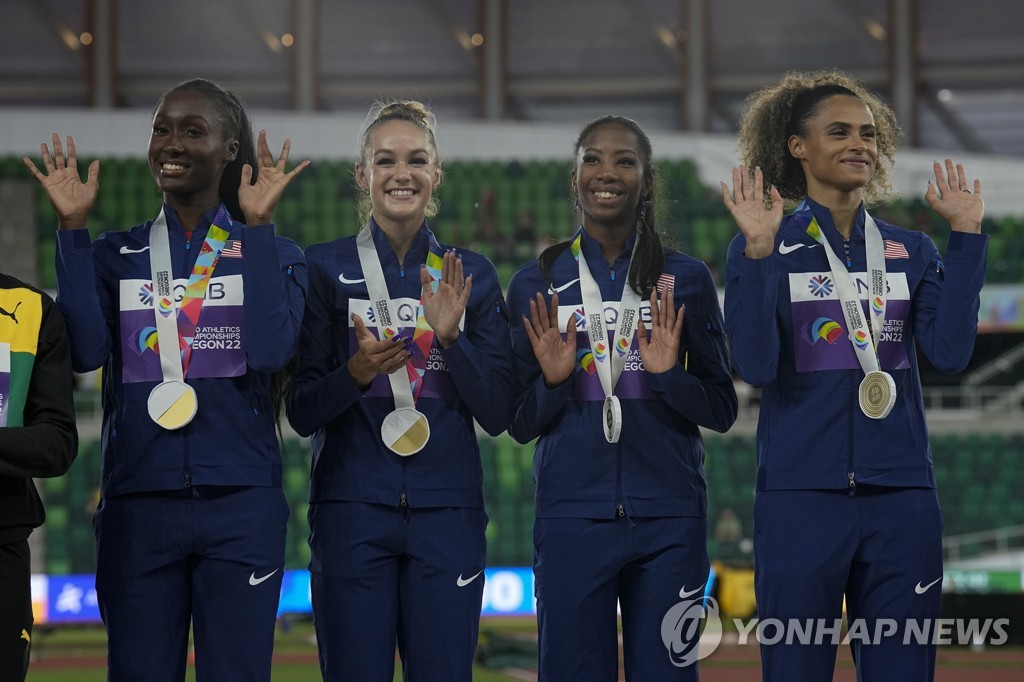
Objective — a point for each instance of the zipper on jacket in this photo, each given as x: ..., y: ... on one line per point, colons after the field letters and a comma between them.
x: 621, y: 511
x: 402, y: 502
x: 850, y: 469
x: 188, y: 463
x: 612, y: 272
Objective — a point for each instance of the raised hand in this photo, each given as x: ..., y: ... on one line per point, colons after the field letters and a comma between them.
x: 758, y: 221
x: 555, y: 355
x: 258, y: 201
x: 444, y: 308
x: 661, y: 352
x: 375, y: 356
x: 952, y: 198
x: 71, y: 198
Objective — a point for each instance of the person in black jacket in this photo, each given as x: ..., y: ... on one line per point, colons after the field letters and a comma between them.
x: 38, y: 439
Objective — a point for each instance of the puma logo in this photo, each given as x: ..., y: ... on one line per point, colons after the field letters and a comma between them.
x: 12, y: 314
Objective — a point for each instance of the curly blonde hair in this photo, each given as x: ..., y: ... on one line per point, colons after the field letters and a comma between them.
x: 776, y: 113
x: 402, y: 110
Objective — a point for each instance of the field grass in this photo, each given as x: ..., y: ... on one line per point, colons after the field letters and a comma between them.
x: 77, y: 654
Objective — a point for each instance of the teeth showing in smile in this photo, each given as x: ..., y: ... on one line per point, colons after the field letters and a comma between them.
x: 173, y: 167
x: 605, y: 195
x: 401, y: 192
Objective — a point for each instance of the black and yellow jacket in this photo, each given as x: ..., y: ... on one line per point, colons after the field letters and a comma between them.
x: 38, y: 437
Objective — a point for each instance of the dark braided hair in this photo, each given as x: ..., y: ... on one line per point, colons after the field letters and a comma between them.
x: 235, y: 123
x: 648, y: 259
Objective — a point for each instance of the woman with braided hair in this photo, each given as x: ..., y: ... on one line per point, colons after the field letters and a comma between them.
x: 615, y: 404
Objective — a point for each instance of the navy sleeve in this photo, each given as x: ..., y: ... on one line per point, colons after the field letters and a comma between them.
x: 480, y: 360
x: 947, y: 300
x: 83, y: 300
x: 751, y: 296
x: 274, y: 281
x: 537, y: 405
x: 322, y: 387
x: 702, y: 391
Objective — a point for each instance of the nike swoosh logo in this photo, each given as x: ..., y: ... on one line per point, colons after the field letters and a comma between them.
x: 253, y: 580
x: 462, y: 582
x: 345, y: 280
x: 790, y: 248
x: 125, y: 250
x: 562, y: 288
x: 684, y: 594
x: 922, y: 590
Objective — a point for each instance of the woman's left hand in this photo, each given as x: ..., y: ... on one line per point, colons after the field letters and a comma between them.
x: 443, y: 309
x: 258, y: 201
x: 661, y: 352
x: 954, y: 200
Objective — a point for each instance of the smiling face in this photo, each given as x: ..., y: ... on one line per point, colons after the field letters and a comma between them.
x: 399, y: 169
x: 838, y: 150
x: 188, y: 150
x: 609, y: 178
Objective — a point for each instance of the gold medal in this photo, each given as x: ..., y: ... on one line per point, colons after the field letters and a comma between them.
x: 405, y: 431
x: 877, y: 394
x: 172, y: 404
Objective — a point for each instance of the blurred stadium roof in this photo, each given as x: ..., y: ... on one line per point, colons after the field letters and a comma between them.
x: 953, y: 69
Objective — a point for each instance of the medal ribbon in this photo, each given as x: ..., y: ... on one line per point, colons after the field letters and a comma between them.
x: 405, y: 390
x: 609, y: 364
x: 863, y: 334
x: 180, y: 320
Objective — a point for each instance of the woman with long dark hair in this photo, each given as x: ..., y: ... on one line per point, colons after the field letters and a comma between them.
x: 615, y: 404
x: 188, y: 315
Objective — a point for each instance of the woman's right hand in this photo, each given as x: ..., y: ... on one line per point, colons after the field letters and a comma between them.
x: 555, y: 355
x: 375, y: 356
x: 71, y: 198
x: 758, y: 221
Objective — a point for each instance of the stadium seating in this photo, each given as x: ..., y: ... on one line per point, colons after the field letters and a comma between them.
x: 508, y: 211
x: 978, y: 477
x: 504, y: 210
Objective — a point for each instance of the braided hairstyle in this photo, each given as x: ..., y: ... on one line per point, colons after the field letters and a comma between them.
x: 410, y: 111
x: 648, y: 259
x: 776, y: 113
x: 234, y: 121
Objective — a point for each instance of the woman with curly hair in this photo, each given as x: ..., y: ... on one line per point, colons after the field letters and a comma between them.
x: 823, y: 308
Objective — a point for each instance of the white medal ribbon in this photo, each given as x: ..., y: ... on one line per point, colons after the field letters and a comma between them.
x: 878, y: 390
x: 172, y: 404
x: 406, y: 430
x: 610, y: 361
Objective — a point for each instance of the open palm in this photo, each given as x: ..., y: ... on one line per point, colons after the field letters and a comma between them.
x: 71, y: 198
x: 258, y: 200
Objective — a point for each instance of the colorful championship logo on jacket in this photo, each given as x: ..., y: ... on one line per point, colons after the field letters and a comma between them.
x: 217, y: 348
x: 585, y: 359
x: 818, y: 317
x: 434, y: 381
x: 823, y: 328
